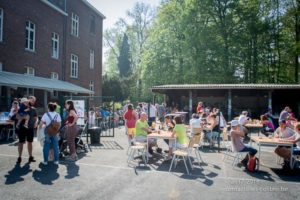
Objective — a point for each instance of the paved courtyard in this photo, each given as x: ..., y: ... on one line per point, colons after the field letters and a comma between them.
x: 103, y: 173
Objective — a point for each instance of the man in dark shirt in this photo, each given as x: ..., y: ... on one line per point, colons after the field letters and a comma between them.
x: 27, y: 134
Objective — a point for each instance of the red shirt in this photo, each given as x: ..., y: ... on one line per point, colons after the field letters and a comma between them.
x: 199, y: 109
x: 130, y: 118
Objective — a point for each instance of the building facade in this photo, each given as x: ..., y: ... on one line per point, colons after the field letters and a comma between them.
x: 55, y: 39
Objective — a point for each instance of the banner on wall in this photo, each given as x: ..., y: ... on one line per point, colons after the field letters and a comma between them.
x: 79, y: 107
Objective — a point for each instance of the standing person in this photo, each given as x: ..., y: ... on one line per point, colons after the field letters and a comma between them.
x: 199, y: 107
x: 161, y: 112
x: 152, y: 114
x: 50, y: 140
x: 71, y: 129
x: 27, y: 134
x: 130, y: 117
x: 243, y: 120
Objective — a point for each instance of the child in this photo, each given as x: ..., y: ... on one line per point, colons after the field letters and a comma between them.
x: 14, y: 110
x: 23, y: 113
x: 268, y: 127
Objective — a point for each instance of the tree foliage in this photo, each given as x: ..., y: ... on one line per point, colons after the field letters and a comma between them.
x: 213, y: 41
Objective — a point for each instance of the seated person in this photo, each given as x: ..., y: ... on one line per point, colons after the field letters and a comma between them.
x: 236, y: 141
x: 284, y: 132
x: 169, y: 123
x: 182, y: 140
x: 195, y: 124
x: 212, y: 127
x: 295, y: 139
x: 141, y: 132
x: 268, y: 127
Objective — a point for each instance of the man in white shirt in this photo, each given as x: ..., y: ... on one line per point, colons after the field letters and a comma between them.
x: 243, y: 120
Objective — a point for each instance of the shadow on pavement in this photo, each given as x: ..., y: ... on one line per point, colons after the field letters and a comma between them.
x: 15, y: 175
x: 47, y: 174
x: 287, y: 175
x: 72, y: 169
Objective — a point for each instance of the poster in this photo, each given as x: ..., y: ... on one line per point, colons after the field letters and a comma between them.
x: 79, y: 107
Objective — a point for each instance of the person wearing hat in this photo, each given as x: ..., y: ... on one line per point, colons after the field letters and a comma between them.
x: 237, y: 144
x: 23, y: 113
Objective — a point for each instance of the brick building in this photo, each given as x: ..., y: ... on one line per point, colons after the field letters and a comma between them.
x: 59, y: 40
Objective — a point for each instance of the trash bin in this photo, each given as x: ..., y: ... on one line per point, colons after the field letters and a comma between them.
x: 95, y: 134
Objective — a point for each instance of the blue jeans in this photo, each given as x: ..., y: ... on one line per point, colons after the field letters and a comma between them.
x: 53, y: 141
x: 249, y: 149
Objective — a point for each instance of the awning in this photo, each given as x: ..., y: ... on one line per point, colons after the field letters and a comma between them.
x: 26, y: 81
x: 225, y: 86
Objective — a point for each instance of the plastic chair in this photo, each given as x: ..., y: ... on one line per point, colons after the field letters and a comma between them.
x: 186, y: 154
x: 138, y: 148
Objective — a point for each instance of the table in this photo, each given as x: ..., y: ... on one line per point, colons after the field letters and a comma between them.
x: 273, y: 142
x: 254, y: 126
x: 9, y: 123
x: 161, y: 135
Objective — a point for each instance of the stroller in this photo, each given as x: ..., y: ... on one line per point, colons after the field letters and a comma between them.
x: 79, y: 144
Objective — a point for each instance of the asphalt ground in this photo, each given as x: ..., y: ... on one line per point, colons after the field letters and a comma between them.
x: 103, y: 173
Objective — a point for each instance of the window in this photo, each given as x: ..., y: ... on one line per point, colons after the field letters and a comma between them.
x: 92, y: 24
x: 55, y: 45
x: 92, y: 59
x: 54, y: 75
x: 74, y: 66
x: 54, y: 94
x: 30, y: 36
x: 75, y: 25
x: 1, y: 24
x: 30, y: 71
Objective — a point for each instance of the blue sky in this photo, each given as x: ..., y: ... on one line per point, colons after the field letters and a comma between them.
x: 114, y: 9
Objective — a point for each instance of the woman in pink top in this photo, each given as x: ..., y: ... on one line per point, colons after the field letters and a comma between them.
x: 268, y: 127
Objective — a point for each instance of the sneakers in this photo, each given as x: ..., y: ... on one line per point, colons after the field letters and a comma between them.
x: 45, y: 163
x: 56, y: 162
x: 19, y: 160
x: 31, y: 159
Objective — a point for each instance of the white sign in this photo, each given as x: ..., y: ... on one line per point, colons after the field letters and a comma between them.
x: 79, y: 107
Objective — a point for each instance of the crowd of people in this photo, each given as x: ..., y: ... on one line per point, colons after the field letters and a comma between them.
x: 139, y: 123
x: 25, y: 115
x: 208, y: 122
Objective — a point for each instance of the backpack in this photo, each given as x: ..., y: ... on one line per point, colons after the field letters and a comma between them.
x: 252, y: 163
x: 54, y: 126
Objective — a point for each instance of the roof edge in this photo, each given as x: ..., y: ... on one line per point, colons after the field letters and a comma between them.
x: 93, y: 8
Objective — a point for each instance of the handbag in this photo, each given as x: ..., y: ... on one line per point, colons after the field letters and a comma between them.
x: 41, y: 135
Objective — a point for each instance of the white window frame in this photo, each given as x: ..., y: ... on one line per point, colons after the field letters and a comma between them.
x: 55, y: 45
x: 54, y: 75
x: 74, y: 66
x: 30, y: 71
x: 75, y: 25
x: 92, y: 59
x: 1, y: 24
x: 30, y: 30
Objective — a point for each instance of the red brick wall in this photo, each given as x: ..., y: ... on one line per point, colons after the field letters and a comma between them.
x: 47, y: 20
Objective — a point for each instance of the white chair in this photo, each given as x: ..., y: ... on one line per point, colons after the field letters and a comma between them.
x: 138, y: 148
x: 237, y: 156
